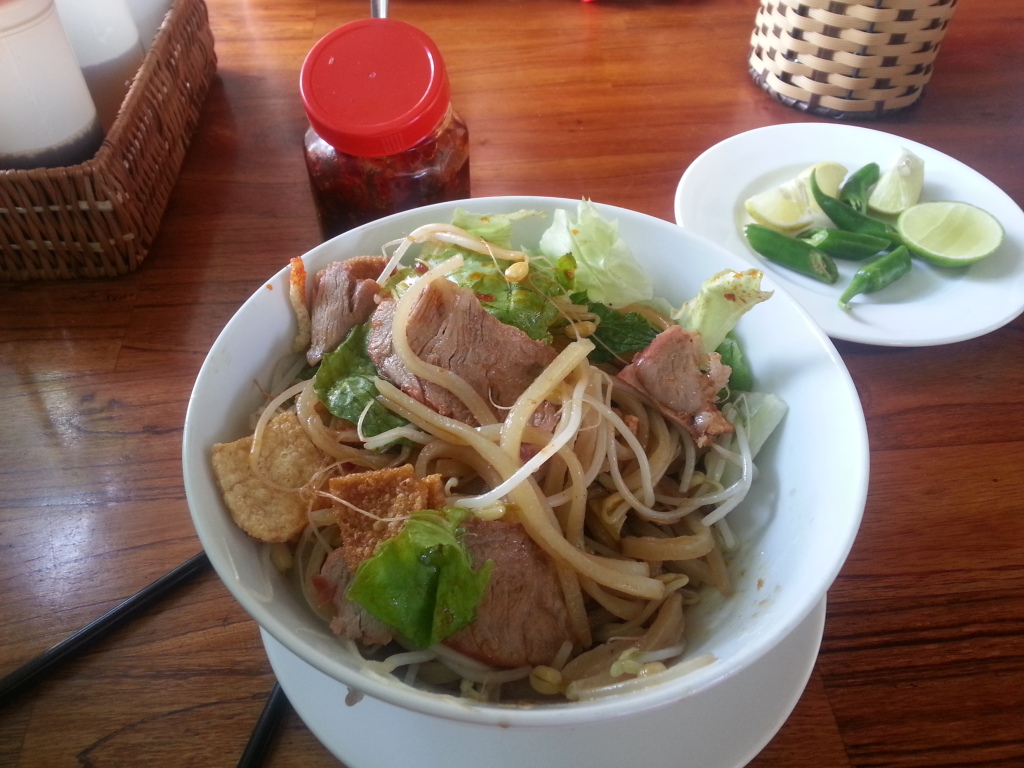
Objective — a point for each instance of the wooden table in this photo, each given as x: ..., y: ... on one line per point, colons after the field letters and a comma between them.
x: 922, y: 662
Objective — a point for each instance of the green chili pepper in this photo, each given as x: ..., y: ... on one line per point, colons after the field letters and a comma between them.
x: 844, y: 217
x: 877, y: 275
x: 845, y: 245
x: 856, y: 189
x: 792, y: 253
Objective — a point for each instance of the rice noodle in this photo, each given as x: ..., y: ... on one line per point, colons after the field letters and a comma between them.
x: 511, y: 439
x: 452, y: 235
x: 535, y: 515
x: 630, y: 511
x: 305, y: 407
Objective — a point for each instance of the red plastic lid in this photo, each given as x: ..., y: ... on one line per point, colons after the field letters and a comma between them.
x: 375, y: 87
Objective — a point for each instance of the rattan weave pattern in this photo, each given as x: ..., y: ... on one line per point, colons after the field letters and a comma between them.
x: 99, y: 218
x: 847, y: 59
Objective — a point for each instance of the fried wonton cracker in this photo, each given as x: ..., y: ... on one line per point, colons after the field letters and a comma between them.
x: 387, y: 497
x: 289, y: 459
x: 297, y: 299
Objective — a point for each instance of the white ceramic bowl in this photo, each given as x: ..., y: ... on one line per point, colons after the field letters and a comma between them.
x: 796, y: 527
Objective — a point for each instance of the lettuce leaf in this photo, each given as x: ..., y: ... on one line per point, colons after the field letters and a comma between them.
x: 421, y: 582
x: 493, y: 227
x: 344, y: 384
x: 723, y: 299
x: 759, y: 413
x: 762, y: 413
x: 606, y: 268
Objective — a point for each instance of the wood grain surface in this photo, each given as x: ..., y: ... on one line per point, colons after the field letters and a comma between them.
x: 922, y: 662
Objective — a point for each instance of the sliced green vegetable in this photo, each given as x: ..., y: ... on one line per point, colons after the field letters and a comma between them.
x: 857, y: 188
x: 877, y: 275
x: 422, y: 582
x: 841, y: 244
x: 742, y: 378
x: 792, y: 253
x: 344, y: 384
x: 845, y: 217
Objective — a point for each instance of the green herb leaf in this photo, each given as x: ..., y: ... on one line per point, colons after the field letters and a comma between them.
x: 344, y: 384
x: 421, y: 582
x: 618, y: 334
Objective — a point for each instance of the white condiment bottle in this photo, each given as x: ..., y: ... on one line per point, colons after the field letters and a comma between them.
x: 47, y: 116
x: 106, y: 42
x: 148, y: 15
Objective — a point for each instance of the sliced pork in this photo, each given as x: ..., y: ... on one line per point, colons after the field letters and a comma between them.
x: 449, y: 328
x: 522, y: 619
x: 351, y: 620
x: 344, y: 296
x: 683, y: 381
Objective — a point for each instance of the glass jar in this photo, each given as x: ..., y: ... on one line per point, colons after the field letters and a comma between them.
x: 383, y: 136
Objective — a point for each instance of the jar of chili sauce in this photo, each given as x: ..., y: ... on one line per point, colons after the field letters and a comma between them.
x: 383, y: 136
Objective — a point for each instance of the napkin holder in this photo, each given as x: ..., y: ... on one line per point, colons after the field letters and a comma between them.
x: 838, y: 59
x: 99, y: 218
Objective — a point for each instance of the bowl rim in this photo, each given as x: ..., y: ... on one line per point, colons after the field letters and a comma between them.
x: 518, y: 714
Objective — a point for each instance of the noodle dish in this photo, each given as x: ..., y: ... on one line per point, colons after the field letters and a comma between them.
x: 490, y: 455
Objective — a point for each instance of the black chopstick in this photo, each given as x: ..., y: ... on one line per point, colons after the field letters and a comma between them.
x: 266, y: 727
x: 36, y: 669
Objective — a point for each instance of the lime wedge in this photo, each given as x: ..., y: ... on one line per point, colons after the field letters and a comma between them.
x: 784, y: 207
x: 829, y: 176
x: 950, y: 234
x: 899, y: 187
x: 790, y: 207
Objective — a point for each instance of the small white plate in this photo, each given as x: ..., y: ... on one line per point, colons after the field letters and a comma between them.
x: 759, y: 697
x: 932, y: 305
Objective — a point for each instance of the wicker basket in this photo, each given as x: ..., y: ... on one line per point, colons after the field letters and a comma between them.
x: 99, y: 218
x: 847, y: 59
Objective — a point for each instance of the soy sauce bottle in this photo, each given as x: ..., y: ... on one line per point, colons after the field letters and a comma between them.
x: 383, y: 136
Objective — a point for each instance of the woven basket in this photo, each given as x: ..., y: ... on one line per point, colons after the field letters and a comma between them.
x: 847, y: 59
x: 99, y: 218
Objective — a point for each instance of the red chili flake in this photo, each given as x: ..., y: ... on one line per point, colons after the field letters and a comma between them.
x: 730, y: 296
x: 485, y: 297
x: 349, y: 191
